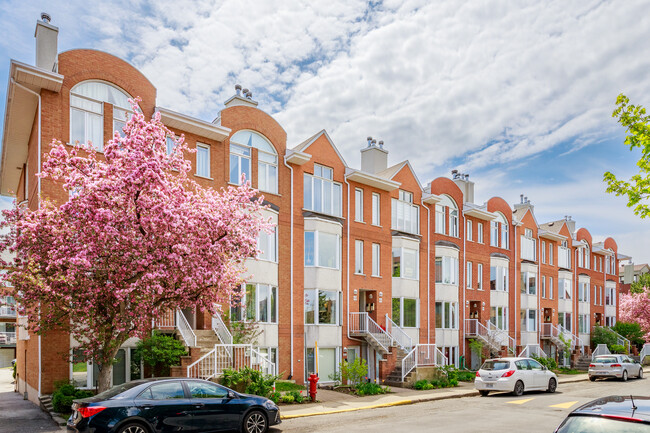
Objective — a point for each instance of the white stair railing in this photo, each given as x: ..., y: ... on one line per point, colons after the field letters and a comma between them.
x: 185, y: 329
x: 361, y: 323
x: 501, y: 337
x: 575, y: 340
x: 601, y: 349
x: 205, y: 367
x: 644, y: 352
x: 166, y: 320
x: 220, y: 328
x: 532, y: 349
x: 621, y: 340
x: 400, y: 337
x: 229, y: 356
x: 262, y: 360
x: 423, y: 355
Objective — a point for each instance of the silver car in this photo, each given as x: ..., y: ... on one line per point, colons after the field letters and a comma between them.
x: 514, y: 375
x: 618, y: 366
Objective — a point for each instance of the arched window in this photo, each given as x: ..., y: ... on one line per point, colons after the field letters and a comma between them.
x: 241, y: 144
x: 499, y: 231
x: 441, y: 218
x: 87, y: 111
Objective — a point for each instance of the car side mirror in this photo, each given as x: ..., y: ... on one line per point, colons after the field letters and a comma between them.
x: 231, y: 395
x: 544, y: 367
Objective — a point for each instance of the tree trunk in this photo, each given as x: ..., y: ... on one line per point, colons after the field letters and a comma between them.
x: 106, y: 371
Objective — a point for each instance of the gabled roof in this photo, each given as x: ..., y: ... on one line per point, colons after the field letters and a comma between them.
x: 302, y: 147
x: 519, y: 213
x: 392, y: 171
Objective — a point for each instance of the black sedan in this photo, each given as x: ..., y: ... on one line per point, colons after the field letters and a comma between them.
x: 172, y: 405
x: 614, y: 414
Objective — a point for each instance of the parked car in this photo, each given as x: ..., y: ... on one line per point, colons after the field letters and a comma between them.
x: 618, y: 366
x: 515, y: 375
x: 614, y: 414
x: 172, y: 404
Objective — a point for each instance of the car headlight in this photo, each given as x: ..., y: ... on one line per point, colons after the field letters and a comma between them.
x: 268, y: 404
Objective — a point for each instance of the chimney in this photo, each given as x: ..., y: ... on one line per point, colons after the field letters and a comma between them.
x: 374, y: 158
x: 241, y: 97
x: 465, y: 185
x: 524, y: 203
x: 46, y: 43
x: 571, y: 225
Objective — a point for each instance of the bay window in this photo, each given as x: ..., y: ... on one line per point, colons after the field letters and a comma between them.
x: 446, y: 315
x: 529, y: 320
x: 322, y: 250
x: 499, y: 317
x: 499, y: 278
x: 405, y: 263
x: 321, y: 193
x: 583, y: 323
x: 267, y: 243
x: 322, y: 307
x: 405, y: 214
x: 405, y: 312
x: 255, y: 303
x: 564, y: 320
x: 610, y: 296
x: 563, y: 288
x: 528, y: 246
x: 583, y: 291
x: 447, y: 270
x: 529, y: 283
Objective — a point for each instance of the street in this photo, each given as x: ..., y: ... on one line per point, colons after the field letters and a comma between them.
x: 503, y: 413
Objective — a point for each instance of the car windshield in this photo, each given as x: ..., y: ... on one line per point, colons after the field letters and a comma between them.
x: 599, y: 424
x: 115, y: 391
x: 497, y: 364
x: 605, y: 360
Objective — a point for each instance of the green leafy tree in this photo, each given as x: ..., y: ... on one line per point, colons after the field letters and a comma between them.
x: 630, y: 330
x: 637, y: 189
x: 160, y: 352
x: 638, y: 286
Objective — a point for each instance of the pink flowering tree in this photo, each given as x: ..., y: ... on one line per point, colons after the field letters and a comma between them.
x: 136, y: 238
x: 635, y: 308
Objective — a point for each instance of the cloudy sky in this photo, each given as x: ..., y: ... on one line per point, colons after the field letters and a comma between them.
x: 517, y: 93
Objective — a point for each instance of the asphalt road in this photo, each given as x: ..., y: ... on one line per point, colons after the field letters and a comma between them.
x: 503, y: 413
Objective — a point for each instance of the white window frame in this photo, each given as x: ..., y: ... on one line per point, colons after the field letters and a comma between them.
x: 479, y: 274
x: 358, y: 257
x: 206, y: 147
x: 272, y: 254
x: 468, y: 283
x: 243, y: 304
x: 401, y: 256
x: 316, y: 253
x: 358, y: 204
x: 450, y: 273
x: 337, y: 313
x: 469, y: 233
x: 501, y: 278
x: 410, y: 213
x: 400, y: 320
x: 324, y: 176
x: 447, y: 306
x: 376, y: 209
x: 376, y: 260
x: 480, y: 233
x: 543, y: 252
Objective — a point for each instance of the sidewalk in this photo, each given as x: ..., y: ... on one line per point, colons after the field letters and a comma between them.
x: 335, y: 402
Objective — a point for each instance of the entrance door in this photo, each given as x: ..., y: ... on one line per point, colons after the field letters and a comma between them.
x: 548, y: 317
x: 475, y: 310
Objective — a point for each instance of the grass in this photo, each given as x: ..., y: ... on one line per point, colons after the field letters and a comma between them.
x: 80, y: 367
x: 288, y: 386
x: 564, y: 370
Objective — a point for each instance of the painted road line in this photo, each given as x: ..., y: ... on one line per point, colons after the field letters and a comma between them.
x: 525, y: 400
x: 566, y: 405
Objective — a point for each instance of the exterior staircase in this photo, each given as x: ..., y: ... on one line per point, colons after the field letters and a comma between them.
x: 395, y: 377
x: 361, y: 325
x: 493, y: 338
x: 552, y: 333
x: 583, y: 363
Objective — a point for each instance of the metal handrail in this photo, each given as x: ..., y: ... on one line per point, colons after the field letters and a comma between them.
x: 185, y: 329
x: 205, y: 367
x: 399, y: 336
x: 220, y: 328
x: 620, y: 339
x: 409, y: 362
x: 167, y: 320
x: 601, y: 349
x: 575, y: 340
x: 266, y: 365
x: 645, y: 351
x: 423, y: 355
x: 361, y: 323
x: 531, y: 349
x: 497, y: 333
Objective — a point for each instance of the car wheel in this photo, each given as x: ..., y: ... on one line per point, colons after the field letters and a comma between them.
x: 592, y: 378
x: 133, y: 428
x: 552, y: 385
x: 519, y: 388
x: 255, y: 422
x: 624, y: 378
x: 641, y: 373
x: 483, y: 393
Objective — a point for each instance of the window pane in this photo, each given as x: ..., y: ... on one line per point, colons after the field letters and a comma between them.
x: 438, y: 314
x: 396, y: 311
x: 202, y: 161
x: 375, y: 209
x: 206, y: 390
x: 396, y: 262
x: 95, y: 130
x: 263, y: 303
x: 310, y: 306
x: 410, y: 306
x: 327, y: 307
x: 262, y: 176
x: 272, y: 184
x: 375, y: 259
x: 77, y: 127
x: 246, y: 168
x: 169, y: 145
x: 274, y: 304
x: 167, y: 391
x: 318, y: 195
x: 409, y: 263
x: 336, y: 205
x: 327, y: 250
x: 307, y: 194
x: 234, y: 169
x: 309, y: 249
x: 438, y: 270
x: 250, y: 302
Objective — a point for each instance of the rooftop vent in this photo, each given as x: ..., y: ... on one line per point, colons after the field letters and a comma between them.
x: 238, y: 89
x: 46, y: 17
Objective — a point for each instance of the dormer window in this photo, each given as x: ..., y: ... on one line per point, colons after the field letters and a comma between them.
x: 87, y: 111
x: 241, y: 154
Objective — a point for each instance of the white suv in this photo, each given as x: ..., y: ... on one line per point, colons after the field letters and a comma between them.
x: 515, y: 375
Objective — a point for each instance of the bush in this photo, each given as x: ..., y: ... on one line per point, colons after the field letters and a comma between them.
x: 275, y: 397
x: 287, y: 398
x: 297, y: 396
x: 249, y: 381
x: 423, y: 385
x: 601, y: 335
x: 466, y: 376
x: 64, y: 394
x: 618, y: 348
x: 370, y: 388
x: 160, y: 352
x: 549, y: 363
x: 353, y: 372
x: 631, y: 331
x: 14, y: 368
x: 281, y: 386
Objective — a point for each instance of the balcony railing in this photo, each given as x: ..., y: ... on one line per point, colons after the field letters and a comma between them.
x: 7, y: 338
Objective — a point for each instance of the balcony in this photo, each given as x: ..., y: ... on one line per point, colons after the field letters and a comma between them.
x: 7, y: 338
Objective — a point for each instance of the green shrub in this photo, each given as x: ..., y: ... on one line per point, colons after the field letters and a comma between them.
x: 14, y: 368
x: 600, y: 335
x: 288, y: 386
x: 631, y: 331
x: 618, y: 348
x: 466, y: 375
x: 549, y: 363
x: 275, y: 397
x: 64, y: 394
x: 297, y: 396
x: 423, y: 385
x: 287, y: 398
x: 249, y: 380
x: 369, y: 389
x: 160, y: 351
x: 353, y: 372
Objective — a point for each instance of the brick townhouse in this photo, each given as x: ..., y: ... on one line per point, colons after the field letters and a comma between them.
x: 366, y: 262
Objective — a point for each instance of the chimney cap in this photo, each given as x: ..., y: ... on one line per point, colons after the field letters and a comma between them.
x: 46, y: 17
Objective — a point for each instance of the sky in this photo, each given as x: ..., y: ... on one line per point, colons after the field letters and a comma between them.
x: 518, y: 94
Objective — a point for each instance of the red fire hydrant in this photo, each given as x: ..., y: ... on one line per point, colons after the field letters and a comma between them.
x: 313, y: 381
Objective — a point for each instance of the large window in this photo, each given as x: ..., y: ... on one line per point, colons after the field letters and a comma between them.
x: 529, y: 320
x: 267, y: 243
x: 564, y: 320
x: 405, y: 312
x: 376, y: 260
x: 529, y: 283
x: 499, y: 317
x: 322, y: 307
x: 358, y: 204
x: 257, y: 303
x: 202, y: 160
x: 405, y: 214
x: 583, y: 323
x: 564, y: 256
x: 444, y: 209
x: 610, y: 296
x: 563, y: 288
x: 528, y: 246
x: 447, y: 270
x: 447, y: 315
x: 405, y: 263
x: 322, y: 249
x: 583, y: 291
x: 321, y: 193
x: 87, y: 111
x: 499, y: 278
x: 241, y: 145
x: 375, y: 209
